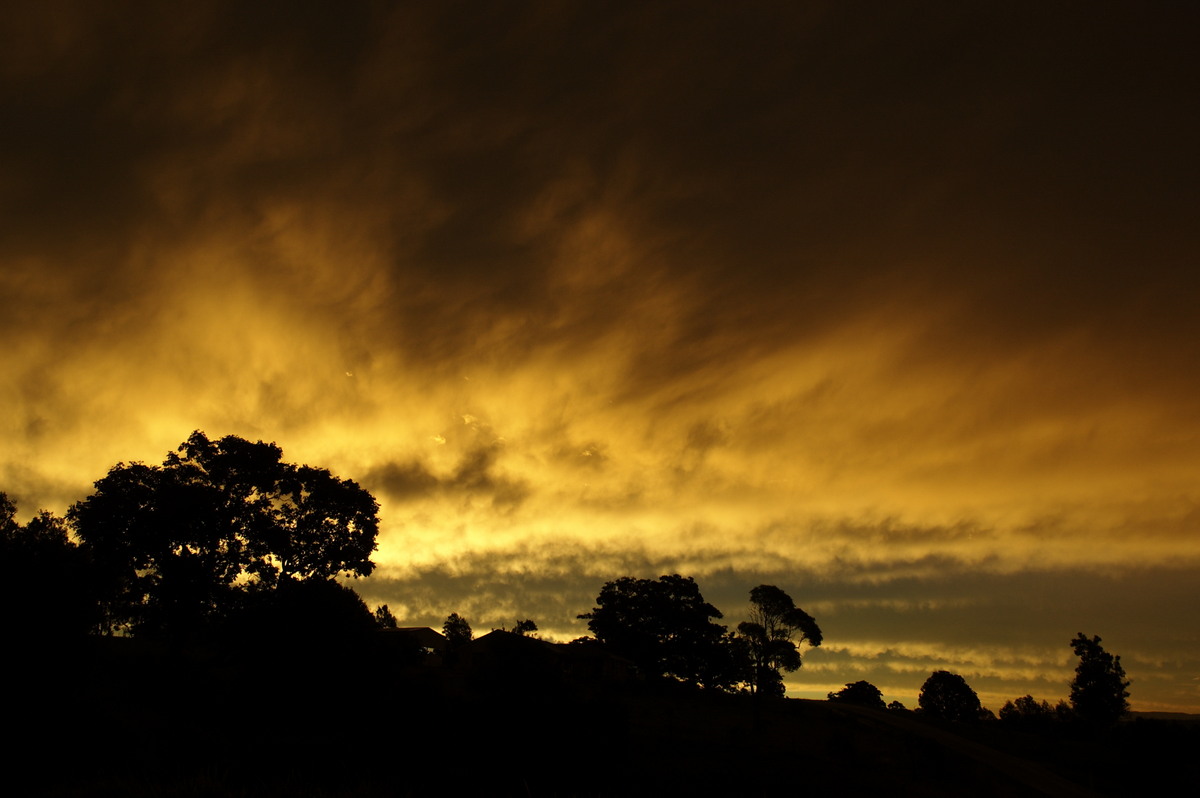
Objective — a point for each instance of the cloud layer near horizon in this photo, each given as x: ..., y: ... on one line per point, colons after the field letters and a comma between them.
x: 861, y: 304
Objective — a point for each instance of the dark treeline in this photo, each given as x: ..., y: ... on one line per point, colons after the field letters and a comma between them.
x: 183, y: 631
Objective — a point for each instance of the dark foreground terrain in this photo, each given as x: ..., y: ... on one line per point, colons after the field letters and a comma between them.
x: 115, y: 717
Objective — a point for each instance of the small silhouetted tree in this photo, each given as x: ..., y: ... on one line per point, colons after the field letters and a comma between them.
x: 1098, y: 691
x: 384, y: 617
x: 897, y: 706
x: 860, y: 693
x: 663, y: 625
x: 774, y: 620
x: 525, y: 627
x: 947, y: 696
x: 457, y: 631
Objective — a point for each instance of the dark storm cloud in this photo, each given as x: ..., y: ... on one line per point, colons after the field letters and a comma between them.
x: 544, y: 578
x: 476, y: 474
x: 794, y: 164
x: 982, y: 625
x: 551, y: 584
x: 401, y: 480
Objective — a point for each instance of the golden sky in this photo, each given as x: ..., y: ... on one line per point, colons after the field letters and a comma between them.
x: 893, y: 307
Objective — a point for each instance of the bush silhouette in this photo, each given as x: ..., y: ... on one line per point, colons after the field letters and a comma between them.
x: 860, y: 693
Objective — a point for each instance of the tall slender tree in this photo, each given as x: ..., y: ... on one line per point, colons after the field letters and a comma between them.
x: 773, y: 634
x: 1099, y: 689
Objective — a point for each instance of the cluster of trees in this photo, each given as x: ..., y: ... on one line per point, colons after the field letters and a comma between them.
x: 226, y: 537
x: 226, y: 534
x: 1098, y: 694
x: 457, y: 629
x: 667, y: 631
x: 666, y: 628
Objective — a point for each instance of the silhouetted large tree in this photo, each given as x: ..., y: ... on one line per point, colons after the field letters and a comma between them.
x: 179, y: 545
x: 1098, y: 691
x: 663, y: 625
x: 774, y: 619
x: 948, y: 696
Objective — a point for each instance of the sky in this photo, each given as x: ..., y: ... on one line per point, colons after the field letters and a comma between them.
x: 890, y: 305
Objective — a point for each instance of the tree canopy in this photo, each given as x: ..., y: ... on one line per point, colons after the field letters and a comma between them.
x: 860, y: 693
x: 1098, y: 691
x: 663, y: 625
x: 774, y: 619
x: 384, y: 617
x: 948, y: 696
x: 526, y: 626
x: 33, y: 557
x: 179, y: 545
x: 457, y: 630
x: 1027, y: 711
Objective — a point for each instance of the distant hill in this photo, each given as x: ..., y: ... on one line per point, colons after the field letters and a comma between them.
x: 1186, y: 717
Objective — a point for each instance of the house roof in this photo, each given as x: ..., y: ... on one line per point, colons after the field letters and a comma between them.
x: 423, y: 635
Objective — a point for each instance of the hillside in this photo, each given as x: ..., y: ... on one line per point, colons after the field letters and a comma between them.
x: 119, y: 717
